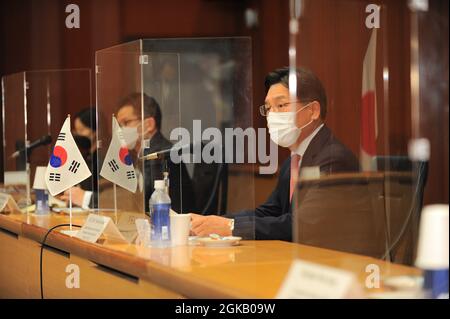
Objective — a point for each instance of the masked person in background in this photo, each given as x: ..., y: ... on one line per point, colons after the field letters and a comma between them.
x: 148, y: 130
x: 296, y: 124
x: 85, y: 136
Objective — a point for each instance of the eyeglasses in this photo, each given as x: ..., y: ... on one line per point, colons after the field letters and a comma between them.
x: 266, y: 108
x: 129, y: 122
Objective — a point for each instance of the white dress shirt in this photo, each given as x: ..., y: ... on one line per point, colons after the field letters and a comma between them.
x: 305, y: 143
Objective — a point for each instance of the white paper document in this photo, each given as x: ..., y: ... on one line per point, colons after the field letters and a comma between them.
x: 306, y: 280
x: 97, y: 225
x: 7, y: 201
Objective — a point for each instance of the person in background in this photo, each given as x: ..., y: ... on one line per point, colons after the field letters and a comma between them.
x: 85, y: 136
x: 296, y: 124
x: 148, y: 130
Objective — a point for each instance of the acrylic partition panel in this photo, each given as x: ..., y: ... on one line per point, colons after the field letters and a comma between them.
x: 139, y: 115
x: 51, y: 96
x: 16, y: 170
x: 186, y: 94
x: 358, y: 191
x: 214, y: 99
x: 118, y: 77
x: 35, y: 106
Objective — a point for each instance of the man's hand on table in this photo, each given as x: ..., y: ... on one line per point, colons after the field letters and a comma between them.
x: 206, y: 225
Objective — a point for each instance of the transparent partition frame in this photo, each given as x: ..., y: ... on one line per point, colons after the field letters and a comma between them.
x: 371, y: 206
x: 51, y: 96
x: 35, y: 104
x: 16, y: 170
x: 119, y: 78
x: 214, y: 99
x: 198, y: 85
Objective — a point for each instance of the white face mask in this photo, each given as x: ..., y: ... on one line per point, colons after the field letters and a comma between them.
x: 282, y: 128
x: 130, y: 135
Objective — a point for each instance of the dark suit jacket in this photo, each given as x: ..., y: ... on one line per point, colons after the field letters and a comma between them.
x: 273, y: 219
x: 180, y: 184
x: 91, y: 183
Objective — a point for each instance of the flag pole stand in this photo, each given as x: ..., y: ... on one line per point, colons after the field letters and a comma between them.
x: 115, y: 201
x: 70, y: 208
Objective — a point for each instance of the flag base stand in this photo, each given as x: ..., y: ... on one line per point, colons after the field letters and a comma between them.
x: 69, y: 232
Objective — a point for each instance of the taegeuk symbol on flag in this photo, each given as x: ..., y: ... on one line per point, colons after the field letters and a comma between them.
x: 66, y: 167
x: 118, y: 165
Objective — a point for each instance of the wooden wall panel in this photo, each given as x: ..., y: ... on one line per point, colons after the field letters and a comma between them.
x: 332, y: 42
x: 434, y: 114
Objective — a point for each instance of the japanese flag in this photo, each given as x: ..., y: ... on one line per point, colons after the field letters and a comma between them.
x: 369, y: 126
x: 66, y: 167
x: 118, y: 166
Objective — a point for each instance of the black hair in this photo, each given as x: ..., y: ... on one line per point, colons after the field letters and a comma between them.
x: 309, y: 87
x: 87, y: 118
x: 151, y: 107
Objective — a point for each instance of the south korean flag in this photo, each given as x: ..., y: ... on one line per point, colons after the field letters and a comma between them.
x: 66, y: 167
x: 118, y: 165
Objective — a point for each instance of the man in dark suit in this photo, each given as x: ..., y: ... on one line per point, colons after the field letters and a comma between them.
x: 128, y: 117
x: 298, y: 125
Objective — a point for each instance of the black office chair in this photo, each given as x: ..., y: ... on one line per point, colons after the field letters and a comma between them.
x: 404, y: 190
x: 210, y: 183
x: 343, y: 212
x: 375, y: 214
x: 393, y: 163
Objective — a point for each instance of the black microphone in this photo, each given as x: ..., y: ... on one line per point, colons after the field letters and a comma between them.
x: 44, y: 140
x: 162, y: 153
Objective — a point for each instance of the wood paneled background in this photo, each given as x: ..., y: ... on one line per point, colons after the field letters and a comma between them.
x: 332, y: 42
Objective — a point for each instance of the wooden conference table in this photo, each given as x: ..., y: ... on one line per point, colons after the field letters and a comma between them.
x: 254, y: 269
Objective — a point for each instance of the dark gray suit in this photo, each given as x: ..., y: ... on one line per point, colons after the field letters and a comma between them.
x: 273, y: 219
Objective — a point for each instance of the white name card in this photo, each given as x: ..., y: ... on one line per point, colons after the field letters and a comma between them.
x: 307, y: 280
x: 7, y: 201
x: 143, y: 230
x: 127, y: 221
x: 97, y: 225
x: 127, y: 225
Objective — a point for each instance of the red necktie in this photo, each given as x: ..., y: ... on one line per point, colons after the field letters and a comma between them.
x: 295, y: 159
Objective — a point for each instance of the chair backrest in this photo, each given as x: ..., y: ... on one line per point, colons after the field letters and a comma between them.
x: 375, y: 214
x: 342, y: 212
x: 393, y: 163
x: 404, y: 200
x: 210, y: 183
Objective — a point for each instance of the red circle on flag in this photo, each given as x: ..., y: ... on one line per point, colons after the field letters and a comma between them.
x: 124, y: 156
x: 59, y: 157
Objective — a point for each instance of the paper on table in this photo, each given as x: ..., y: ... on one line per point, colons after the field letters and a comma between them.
x: 143, y: 230
x: 127, y: 221
x: 309, y: 280
x: 127, y: 225
x: 97, y: 225
x: 129, y: 236
x: 6, y: 200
